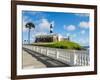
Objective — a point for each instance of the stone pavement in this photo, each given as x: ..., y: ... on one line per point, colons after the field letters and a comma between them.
x: 30, y: 62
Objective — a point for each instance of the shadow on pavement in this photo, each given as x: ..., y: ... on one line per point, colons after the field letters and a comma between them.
x: 49, y: 62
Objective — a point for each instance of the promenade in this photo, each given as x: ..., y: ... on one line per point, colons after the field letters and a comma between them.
x: 32, y: 60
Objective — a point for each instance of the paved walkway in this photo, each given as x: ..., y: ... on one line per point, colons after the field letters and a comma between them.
x: 32, y: 59
x: 30, y: 62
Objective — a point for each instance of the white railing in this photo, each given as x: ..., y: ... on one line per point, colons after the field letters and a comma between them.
x: 71, y: 57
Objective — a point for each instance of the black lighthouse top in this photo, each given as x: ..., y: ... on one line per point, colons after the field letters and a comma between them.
x: 51, y: 28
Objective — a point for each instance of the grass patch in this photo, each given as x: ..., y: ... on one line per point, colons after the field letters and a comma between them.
x: 61, y: 45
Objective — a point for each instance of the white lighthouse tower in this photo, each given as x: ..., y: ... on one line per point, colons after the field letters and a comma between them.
x: 51, y: 28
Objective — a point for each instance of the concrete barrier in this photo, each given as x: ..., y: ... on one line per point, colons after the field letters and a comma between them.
x: 71, y: 57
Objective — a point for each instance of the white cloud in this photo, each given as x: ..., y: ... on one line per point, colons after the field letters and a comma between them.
x: 68, y: 34
x: 82, y: 14
x: 24, y: 29
x: 84, y: 24
x: 84, y: 42
x: 70, y: 27
x: 44, y: 25
x: 33, y: 13
x: 38, y: 33
x: 73, y: 35
x: 83, y: 32
x: 25, y: 18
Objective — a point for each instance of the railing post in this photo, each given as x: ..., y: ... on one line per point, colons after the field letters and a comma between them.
x: 81, y: 60
x: 72, y: 58
x: 57, y: 54
x: 46, y: 51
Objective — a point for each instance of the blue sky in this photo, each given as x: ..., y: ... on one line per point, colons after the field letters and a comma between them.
x: 75, y: 25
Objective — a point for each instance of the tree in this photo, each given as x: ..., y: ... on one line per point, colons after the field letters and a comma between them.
x: 29, y: 25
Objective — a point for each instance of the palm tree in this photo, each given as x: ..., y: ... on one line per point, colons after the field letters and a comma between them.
x: 29, y: 25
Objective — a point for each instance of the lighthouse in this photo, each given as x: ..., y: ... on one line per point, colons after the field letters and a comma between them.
x: 51, y: 28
